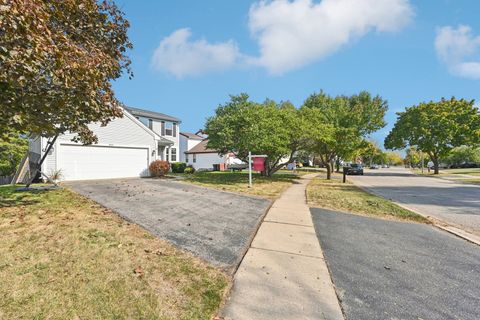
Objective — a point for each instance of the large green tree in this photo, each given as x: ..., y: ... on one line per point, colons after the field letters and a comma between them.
x: 338, y: 126
x: 57, y: 60
x: 269, y: 128
x: 436, y: 128
x: 13, y: 147
x: 463, y: 154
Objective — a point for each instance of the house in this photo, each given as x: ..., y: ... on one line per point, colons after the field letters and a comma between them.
x: 125, y: 148
x: 203, y: 158
x: 188, y: 141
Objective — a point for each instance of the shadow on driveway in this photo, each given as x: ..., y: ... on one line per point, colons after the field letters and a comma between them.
x: 214, y: 225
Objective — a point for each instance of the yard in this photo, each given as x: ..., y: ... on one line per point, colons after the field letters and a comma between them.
x: 335, y: 195
x: 264, y: 187
x: 465, y: 175
x: 66, y: 257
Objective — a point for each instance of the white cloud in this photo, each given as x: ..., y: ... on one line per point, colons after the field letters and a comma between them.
x: 459, y: 50
x: 181, y: 57
x: 292, y: 34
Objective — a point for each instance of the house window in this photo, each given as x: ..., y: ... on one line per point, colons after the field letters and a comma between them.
x: 168, y: 154
x: 194, y: 158
x: 150, y: 123
x: 186, y: 157
x: 174, y: 154
x: 168, y: 129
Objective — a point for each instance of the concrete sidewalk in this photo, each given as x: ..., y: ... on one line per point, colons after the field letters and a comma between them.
x: 284, y: 274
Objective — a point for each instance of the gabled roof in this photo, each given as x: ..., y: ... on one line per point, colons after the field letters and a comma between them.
x: 201, y: 148
x: 192, y: 136
x: 151, y: 114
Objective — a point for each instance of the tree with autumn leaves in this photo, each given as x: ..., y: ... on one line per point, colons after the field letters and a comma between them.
x: 57, y: 61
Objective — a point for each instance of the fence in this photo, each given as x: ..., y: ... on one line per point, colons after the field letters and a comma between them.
x: 6, y: 179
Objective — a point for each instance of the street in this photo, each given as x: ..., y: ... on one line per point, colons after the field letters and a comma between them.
x: 399, y: 270
x: 455, y: 203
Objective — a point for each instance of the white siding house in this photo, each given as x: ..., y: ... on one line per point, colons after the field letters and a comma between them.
x: 125, y: 148
x: 187, y: 142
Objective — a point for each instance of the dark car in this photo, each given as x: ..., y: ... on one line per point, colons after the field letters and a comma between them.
x: 354, y: 168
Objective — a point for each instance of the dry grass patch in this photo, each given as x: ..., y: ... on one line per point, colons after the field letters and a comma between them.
x: 65, y: 257
x: 332, y: 194
x: 264, y: 187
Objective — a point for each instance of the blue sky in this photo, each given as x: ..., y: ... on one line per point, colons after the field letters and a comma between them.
x: 189, y: 56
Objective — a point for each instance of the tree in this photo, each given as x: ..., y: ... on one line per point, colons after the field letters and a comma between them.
x: 57, y: 60
x: 436, y: 128
x: 463, y: 154
x: 337, y: 126
x: 412, y: 157
x: 372, y: 153
x: 272, y: 129
x: 13, y: 147
x: 394, y: 158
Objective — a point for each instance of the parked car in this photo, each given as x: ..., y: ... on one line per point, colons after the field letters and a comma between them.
x: 354, y: 168
x: 374, y: 166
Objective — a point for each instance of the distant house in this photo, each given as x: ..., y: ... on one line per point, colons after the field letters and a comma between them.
x: 125, y: 147
x: 203, y: 158
x: 188, y: 141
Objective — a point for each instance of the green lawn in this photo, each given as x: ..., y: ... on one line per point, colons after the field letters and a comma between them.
x: 238, y: 182
x: 332, y: 194
x: 65, y: 257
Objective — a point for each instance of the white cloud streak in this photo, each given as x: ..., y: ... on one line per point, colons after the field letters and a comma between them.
x: 180, y: 56
x: 459, y: 49
x: 292, y: 34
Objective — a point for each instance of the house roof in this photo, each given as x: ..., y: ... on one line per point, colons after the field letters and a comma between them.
x: 201, y: 148
x: 151, y: 114
x: 191, y: 136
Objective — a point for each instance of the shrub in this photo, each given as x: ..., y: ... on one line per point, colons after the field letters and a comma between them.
x: 159, y: 168
x: 189, y: 170
x: 178, y: 167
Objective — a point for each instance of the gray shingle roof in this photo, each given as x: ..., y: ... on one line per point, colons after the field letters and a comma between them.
x: 151, y: 114
x: 201, y: 148
x: 191, y: 136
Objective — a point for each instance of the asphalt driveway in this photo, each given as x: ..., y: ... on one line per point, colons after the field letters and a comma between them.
x: 399, y: 270
x: 216, y: 226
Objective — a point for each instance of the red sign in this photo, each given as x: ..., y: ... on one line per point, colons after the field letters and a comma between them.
x: 258, y: 164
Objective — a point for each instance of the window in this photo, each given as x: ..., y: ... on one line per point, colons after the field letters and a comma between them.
x: 186, y: 157
x: 174, y: 154
x: 168, y: 128
x: 150, y: 123
x: 168, y: 154
x: 194, y: 158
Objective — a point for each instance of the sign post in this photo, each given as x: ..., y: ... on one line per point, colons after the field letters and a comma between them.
x: 249, y: 169
x: 257, y: 165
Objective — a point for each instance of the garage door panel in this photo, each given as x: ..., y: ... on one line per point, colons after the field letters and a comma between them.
x: 101, y: 162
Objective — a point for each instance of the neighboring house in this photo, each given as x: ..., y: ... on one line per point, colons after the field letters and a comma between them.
x: 125, y: 148
x: 187, y: 142
x: 202, y: 158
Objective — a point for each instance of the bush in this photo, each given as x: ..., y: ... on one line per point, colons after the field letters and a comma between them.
x: 159, y: 168
x: 178, y: 167
x: 189, y: 170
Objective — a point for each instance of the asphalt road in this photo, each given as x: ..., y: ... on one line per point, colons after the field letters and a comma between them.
x: 396, y: 270
x: 455, y: 203
x: 216, y: 226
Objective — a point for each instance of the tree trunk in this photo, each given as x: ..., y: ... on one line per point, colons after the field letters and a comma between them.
x: 435, y: 165
x: 329, y: 171
x: 337, y: 162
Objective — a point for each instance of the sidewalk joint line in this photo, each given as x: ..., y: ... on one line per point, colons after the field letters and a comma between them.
x: 292, y: 253
x: 288, y: 223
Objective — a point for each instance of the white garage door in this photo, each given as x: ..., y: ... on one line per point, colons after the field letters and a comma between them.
x: 101, y: 162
